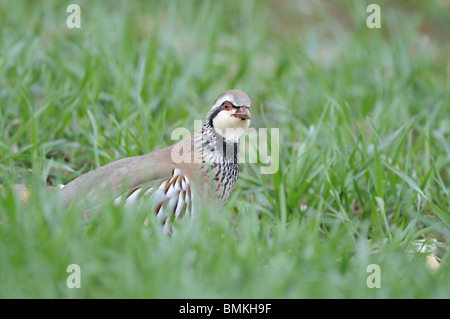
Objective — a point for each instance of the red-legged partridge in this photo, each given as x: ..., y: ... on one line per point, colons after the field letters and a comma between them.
x: 204, y: 164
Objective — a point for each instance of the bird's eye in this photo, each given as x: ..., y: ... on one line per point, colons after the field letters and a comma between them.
x: 227, y: 106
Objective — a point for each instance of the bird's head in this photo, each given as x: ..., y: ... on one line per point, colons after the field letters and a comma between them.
x: 230, y: 115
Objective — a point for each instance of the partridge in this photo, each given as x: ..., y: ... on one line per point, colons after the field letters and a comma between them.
x: 205, y: 164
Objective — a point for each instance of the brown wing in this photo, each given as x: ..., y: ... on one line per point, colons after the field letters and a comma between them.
x: 124, y: 174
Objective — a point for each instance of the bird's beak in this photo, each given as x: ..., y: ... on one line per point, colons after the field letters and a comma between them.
x: 243, y: 113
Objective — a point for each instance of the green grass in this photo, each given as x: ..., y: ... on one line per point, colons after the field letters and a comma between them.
x: 364, y: 120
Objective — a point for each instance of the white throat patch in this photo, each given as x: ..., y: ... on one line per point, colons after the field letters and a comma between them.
x: 230, y: 127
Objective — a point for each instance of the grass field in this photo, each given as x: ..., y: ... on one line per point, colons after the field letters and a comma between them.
x: 364, y: 150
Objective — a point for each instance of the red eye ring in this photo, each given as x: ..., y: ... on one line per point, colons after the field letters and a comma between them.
x: 227, y: 106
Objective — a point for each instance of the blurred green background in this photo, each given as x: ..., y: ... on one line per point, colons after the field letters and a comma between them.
x: 364, y: 119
